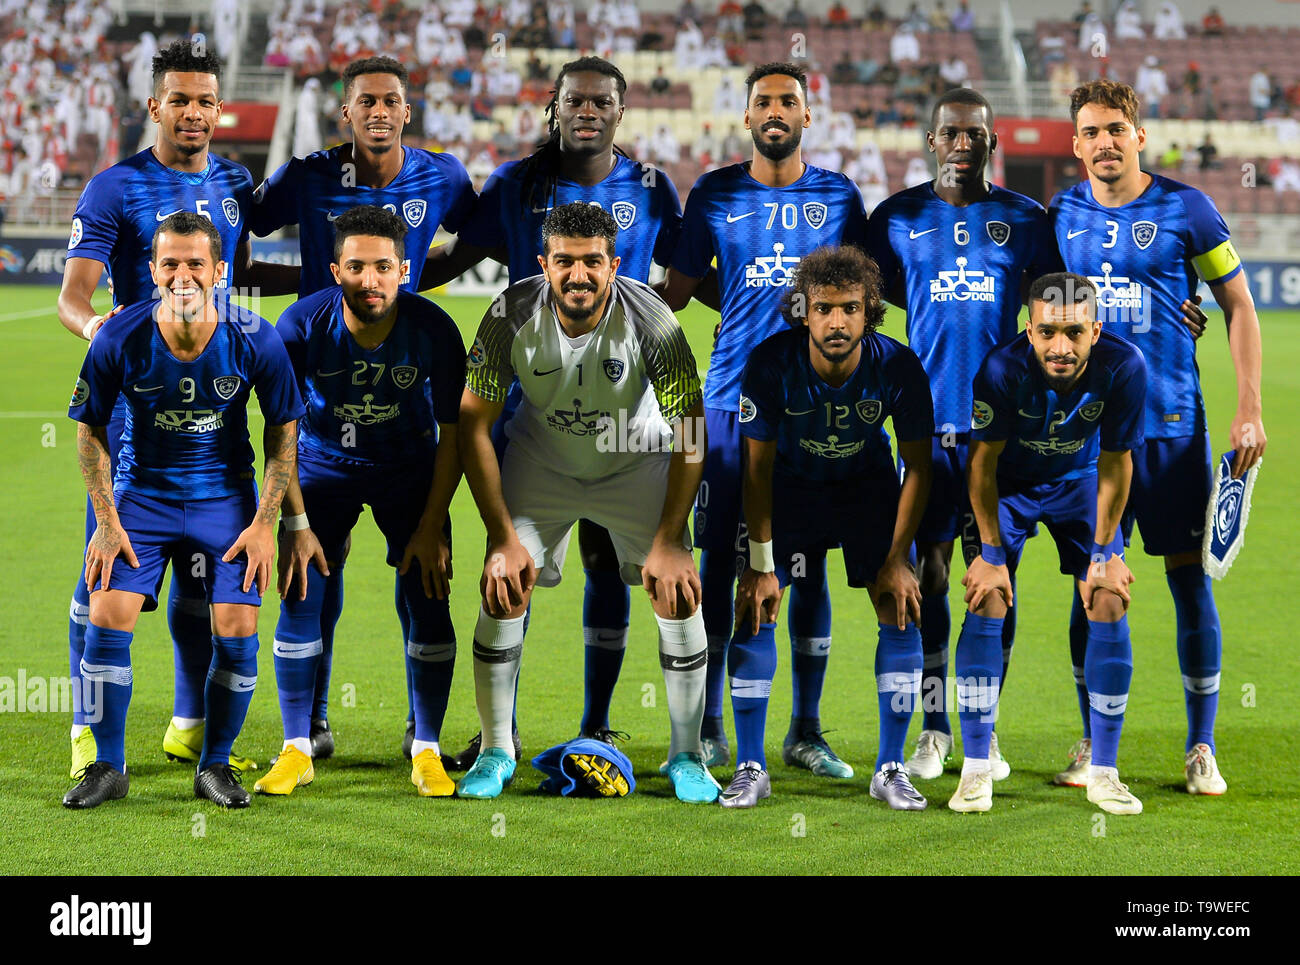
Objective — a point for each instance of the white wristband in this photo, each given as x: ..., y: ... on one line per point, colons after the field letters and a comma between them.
x: 88, y: 332
x: 760, y: 557
x: 294, y: 523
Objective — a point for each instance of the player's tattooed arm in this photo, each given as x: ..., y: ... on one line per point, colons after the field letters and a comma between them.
x: 1108, y: 570
x: 897, y: 577
x: 428, y: 544
x: 257, y: 541
x: 983, y: 578
x: 669, y: 574
x: 1246, y: 346
x: 452, y: 259
x: 109, y: 539
x: 758, y: 594
x: 508, y: 570
x: 299, y: 548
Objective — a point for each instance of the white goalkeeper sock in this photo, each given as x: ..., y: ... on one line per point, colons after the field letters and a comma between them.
x: 683, y: 654
x: 498, y: 645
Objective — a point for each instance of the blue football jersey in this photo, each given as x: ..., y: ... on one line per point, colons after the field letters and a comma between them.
x: 380, y: 405
x: 1144, y: 258
x: 186, y: 432
x: 962, y: 268
x: 758, y: 235
x: 431, y: 189
x: 121, y: 208
x: 1050, y: 438
x: 642, y: 201
x: 827, y: 434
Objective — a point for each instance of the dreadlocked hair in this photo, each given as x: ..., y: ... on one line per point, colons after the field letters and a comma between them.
x: 539, y: 173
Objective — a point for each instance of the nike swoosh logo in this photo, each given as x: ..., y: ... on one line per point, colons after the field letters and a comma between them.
x: 537, y: 210
x: 151, y: 388
x: 732, y: 218
x: 804, y: 412
x: 916, y: 234
x: 331, y: 216
x: 1074, y: 234
x: 326, y: 375
x: 548, y: 371
x: 1030, y: 415
x: 158, y: 215
x: 684, y: 663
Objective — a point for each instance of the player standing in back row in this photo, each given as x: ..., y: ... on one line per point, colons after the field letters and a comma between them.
x: 1143, y: 239
x: 758, y: 219
x: 958, y: 253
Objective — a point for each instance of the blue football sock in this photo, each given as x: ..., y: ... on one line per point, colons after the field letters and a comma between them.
x: 717, y: 581
x: 331, y: 609
x: 751, y: 662
x: 231, y: 680
x: 936, y: 626
x: 978, y: 663
x: 1109, y: 671
x: 78, y: 618
x: 405, y: 617
x: 809, y: 622
x: 296, y: 655
x: 1078, y: 653
x: 606, y: 604
x: 430, y: 656
x: 1200, y: 650
x: 190, y: 622
x: 898, y: 684
x: 106, y: 670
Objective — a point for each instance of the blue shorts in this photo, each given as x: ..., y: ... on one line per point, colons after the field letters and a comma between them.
x: 334, y: 494
x: 197, y: 533
x: 190, y: 588
x: 949, y: 501
x: 719, y: 523
x: 1069, y: 511
x: 808, y: 519
x: 1170, y: 492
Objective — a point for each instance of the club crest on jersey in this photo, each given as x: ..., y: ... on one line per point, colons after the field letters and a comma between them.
x: 1092, y: 411
x: 814, y: 212
x: 613, y: 369
x: 999, y: 231
x: 981, y: 416
x: 869, y: 411
x: 747, y: 410
x: 1144, y: 232
x: 404, y: 375
x: 80, y: 392
x: 230, y: 208
x: 624, y: 213
x: 413, y: 211
x: 226, y: 385
x: 74, y: 238
x: 477, y: 355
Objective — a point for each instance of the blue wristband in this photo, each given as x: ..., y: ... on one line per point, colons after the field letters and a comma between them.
x: 1102, y: 553
x: 993, y: 555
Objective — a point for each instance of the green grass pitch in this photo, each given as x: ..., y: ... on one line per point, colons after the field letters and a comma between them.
x: 362, y: 815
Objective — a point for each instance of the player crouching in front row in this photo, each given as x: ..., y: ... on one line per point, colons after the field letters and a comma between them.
x: 1058, y: 411
x: 184, y: 482
x: 819, y: 474
x: 587, y: 347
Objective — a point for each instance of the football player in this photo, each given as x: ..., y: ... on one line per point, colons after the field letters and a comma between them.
x: 1057, y: 415
x: 819, y: 474
x: 758, y: 219
x: 183, y: 485
x: 1144, y: 239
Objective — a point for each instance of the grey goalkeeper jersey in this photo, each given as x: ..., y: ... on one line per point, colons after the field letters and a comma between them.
x: 592, y: 406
